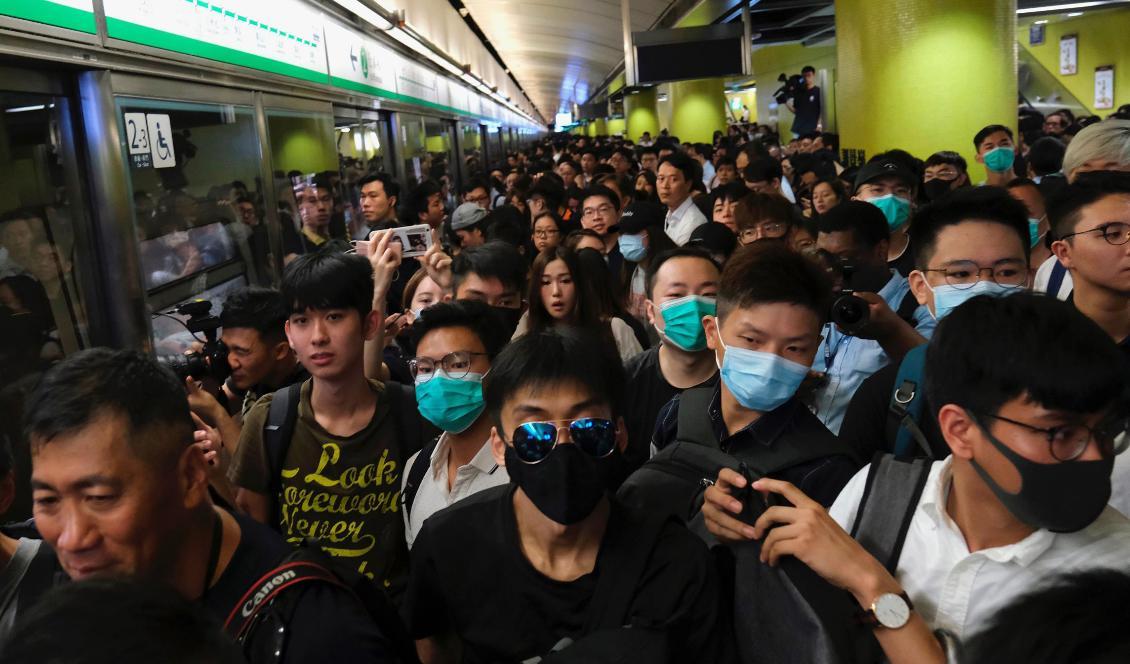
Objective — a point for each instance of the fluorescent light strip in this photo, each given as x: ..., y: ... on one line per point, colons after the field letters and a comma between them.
x: 25, y: 109
x: 364, y: 12
x: 1066, y: 7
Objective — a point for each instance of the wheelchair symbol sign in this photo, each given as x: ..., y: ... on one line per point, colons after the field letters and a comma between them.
x: 161, y: 141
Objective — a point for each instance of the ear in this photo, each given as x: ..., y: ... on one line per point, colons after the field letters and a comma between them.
x: 710, y: 326
x: 1062, y: 251
x: 371, y: 324
x: 621, y: 434
x: 958, y: 430
x: 192, y: 474
x: 980, y: 158
x: 920, y: 288
x: 281, y: 351
x: 286, y: 328
x: 497, y: 447
x: 392, y: 201
x: 652, y: 313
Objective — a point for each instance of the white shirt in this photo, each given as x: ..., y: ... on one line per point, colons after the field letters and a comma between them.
x: 1044, y: 275
x: 682, y: 221
x: 961, y: 591
x: 432, y: 495
x: 1120, y: 484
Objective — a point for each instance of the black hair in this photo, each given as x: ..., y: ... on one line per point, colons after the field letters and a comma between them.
x: 599, y: 190
x: 726, y: 161
x: 552, y: 216
x: 989, y: 131
x: 678, y: 252
x: 418, y: 199
x: 768, y: 272
x: 948, y: 158
x: 550, y: 190
x: 121, y: 620
x: 475, y: 316
x: 763, y: 169
x: 734, y: 191
x: 1065, y: 206
x: 506, y: 224
x: 557, y: 356
x: 123, y: 383
x: 808, y: 68
x: 497, y: 260
x: 328, y: 280
x: 390, y: 186
x: 584, y: 313
x: 990, y: 350
x: 473, y: 184
x: 864, y: 221
x: 1078, y: 617
x: 648, y: 149
x: 967, y: 204
x: 1045, y: 155
x: 691, y: 169
x: 261, y: 309
x: 1016, y: 183
x: 704, y: 149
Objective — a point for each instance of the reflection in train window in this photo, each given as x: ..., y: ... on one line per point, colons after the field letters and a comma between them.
x: 473, y: 158
x: 362, y: 149
x: 427, y: 147
x: 42, y: 316
x: 199, y: 208
x: 312, y: 209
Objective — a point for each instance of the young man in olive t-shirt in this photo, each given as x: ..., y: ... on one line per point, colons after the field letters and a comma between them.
x: 340, y: 477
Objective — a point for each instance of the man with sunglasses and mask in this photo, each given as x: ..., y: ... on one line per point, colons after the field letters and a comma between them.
x: 455, y: 344
x: 566, y: 562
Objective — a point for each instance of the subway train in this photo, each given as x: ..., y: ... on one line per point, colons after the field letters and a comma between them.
x: 154, y: 153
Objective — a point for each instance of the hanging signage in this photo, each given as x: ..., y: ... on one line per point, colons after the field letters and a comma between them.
x: 278, y: 36
x: 359, y: 63
x: 71, y: 14
x: 416, y: 81
x: 1104, y: 87
x: 1068, y: 55
x: 1036, y: 33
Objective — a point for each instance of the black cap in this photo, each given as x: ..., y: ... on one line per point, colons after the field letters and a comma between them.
x: 641, y: 215
x: 715, y: 238
x: 884, y: 168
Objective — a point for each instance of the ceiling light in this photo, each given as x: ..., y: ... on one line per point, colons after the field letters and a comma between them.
x: 24, y: 109
x: 1074, y: 14
x: 1041, y: 22
x: 1066, y: 6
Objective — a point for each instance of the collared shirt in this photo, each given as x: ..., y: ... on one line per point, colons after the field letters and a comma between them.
x: 847, y: 361
x: 788, y: 424
x: 432, y: 495
x: 682, y: 221
x: 960, y: 591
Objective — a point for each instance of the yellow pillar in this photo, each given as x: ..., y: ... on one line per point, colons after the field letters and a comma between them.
x: 924, y: 75
x: 641, y: 114
x: 698, y: 109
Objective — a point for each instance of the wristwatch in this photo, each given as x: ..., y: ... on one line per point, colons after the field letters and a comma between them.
x: 888, y: 610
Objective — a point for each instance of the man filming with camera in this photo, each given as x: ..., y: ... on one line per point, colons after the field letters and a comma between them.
x: 875, y: 319
x: 804, y: 103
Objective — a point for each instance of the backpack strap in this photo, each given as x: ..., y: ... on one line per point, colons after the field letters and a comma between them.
x: 415, y: 477
x: 1055, y: 281
x: 629, y: 551
x: 277, y: 434
x: 694, y: 420
x: 890, y: 498
x: 907, y: 307
x: 908, y: 403
x: 268, y: 587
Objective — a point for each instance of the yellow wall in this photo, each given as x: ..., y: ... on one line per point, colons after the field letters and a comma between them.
x: 770, y: 62
x: 617, y: 126
x: 1104, y: 39
x: 697, y: 109
x: 924, y: 75
x: 641, y: 114
x: 301, y: 143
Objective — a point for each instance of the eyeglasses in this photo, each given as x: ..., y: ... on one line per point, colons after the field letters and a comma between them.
x: 533, y: 441
x: 1068, y: 442
x: 455, y: 365
x: 965, y: 274
x: 545, y: 234
x: 771, y: 229
x: 1115, y: 233
x: 603, y: 209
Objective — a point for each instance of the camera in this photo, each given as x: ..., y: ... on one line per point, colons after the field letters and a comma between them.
x: 793, y: 85
x: 211, y: 361
x: 850, y: 312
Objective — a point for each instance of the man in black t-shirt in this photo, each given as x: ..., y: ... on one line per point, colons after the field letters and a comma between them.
x: 681, y: 286
x: 120, y: 489
x: 806, y: 104
x: 515, y: 572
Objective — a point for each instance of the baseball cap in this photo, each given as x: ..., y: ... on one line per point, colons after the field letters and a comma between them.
x: 641, y: 215
x: 715, y: 238
x: 884, y: 168
x: 467, y: 215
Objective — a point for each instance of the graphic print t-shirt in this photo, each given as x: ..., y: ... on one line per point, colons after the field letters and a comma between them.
x: 342, y: 491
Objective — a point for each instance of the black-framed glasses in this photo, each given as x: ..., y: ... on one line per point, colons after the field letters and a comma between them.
x: 533, y: 441
x: 1068, y: 441
x: 966, y: 274
x: 455, y: 365
x: 771, y: 229
x: 1115, y: 233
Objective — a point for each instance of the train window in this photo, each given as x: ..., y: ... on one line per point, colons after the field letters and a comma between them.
x: 473, y: 157
x: 362, y: 149
x: 198, y: 207
x: 312, y: 208
x: 427, y: 149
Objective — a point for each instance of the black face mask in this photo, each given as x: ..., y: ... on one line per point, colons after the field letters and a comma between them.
x: 567, y: 485
x: 508, y: 318
x: 935, y: 189
x: 1062, y: 497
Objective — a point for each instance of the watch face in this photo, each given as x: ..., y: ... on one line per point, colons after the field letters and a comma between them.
x: 891, y: 611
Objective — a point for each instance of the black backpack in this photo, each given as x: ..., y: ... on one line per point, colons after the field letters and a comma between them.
x: 267, y: 606
x: 674, y: 480
x: 788, y: 613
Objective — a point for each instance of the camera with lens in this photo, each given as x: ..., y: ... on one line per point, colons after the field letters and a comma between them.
x: 792, y: 86
x: 211, y: 361
x: 850, y: 312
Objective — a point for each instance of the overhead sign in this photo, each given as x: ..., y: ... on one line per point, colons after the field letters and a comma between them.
x: 358, y: 62
x: 70, y: 14
x: 279, y: 36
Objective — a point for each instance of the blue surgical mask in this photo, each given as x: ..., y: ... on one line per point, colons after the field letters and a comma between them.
x: 452, y: 404
x: 760, y: 381
x: 632, y: 247
x: 1033, y: 232
x: 947, y: 297
x: 895, y: 208
x: 999, y: 160
x: 682, y: 321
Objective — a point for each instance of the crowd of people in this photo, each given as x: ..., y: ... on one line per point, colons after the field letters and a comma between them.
x: 654, y: 402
